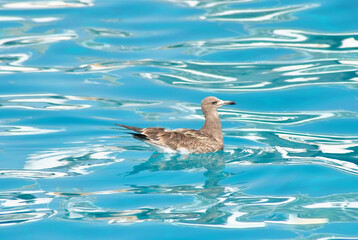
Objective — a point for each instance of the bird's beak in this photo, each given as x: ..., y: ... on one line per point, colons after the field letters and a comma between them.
x: 228, y: 103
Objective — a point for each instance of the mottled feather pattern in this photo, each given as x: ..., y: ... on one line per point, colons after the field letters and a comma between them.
x: 191, y: 140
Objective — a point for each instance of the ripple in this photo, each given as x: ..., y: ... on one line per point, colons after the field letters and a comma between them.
x: 73, y: 160
x: 190, y: 111
x: 97, y: 39
x: 281, y: 118
x: 258, y: 76
x: 13, y: 130
x: 58, y: 102
x: 255, y: 15
x: 8, y: 218
x: 317, y: 42
x: 36, y: 39
x: 22, y: 19
x: 46, y: 4
x: 218, y: 77
x: 23, y: 198
x: 46, y: 101
x: 337, y: 152
x: 212, y: 204
x: 217, y: 207
x: 24, y: 206
x: 28, y: 174
x: 106, y: 32
x: 227, y: 11
x: 239, y: 77
x: 12, y: 63
x: 92, y: 44
x: 208, y: 3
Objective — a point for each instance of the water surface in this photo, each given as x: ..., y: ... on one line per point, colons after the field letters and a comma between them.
x: 71, y: 69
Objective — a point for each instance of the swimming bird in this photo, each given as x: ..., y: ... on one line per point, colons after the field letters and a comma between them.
x: 207, y: 139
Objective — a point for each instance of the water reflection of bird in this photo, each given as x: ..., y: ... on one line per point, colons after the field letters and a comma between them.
x: 214, y: 163
x: 207, y: 139
x: 164, y: 162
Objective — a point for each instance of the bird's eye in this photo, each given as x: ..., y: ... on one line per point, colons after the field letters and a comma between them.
x: 215, y: 102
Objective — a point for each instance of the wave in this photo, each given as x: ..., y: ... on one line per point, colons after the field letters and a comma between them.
x: 315, y: 42
x: 217, y: 77
x: 215, y: 207
x: 5, y: 5
x: 208, y: 4
x: 236, y: 76
x: 59, y: 102
x: 227, y: 11
x: 31, y: 174
x: 46, y: 101
x: 260, y: 15
x: 16, y: 130
x: 213, y: 203
x: 73, y: 160
x: 337, y: 152
x: 191, y: 111
x: 257, y: 76
x: 24, y: 41
x: 24, y: 206
x: 23, y: 19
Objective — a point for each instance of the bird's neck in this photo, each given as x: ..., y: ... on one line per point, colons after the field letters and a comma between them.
x: 212, y: 126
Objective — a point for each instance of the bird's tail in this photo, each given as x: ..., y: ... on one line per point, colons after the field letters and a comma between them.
x: 136, y: 129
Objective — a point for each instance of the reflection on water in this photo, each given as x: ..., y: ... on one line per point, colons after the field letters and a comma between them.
x: 11, y: 130
x: 45, y: 4
x: 263, y: 76
x: 36, y: 39
x: 46, y: 101
x: 208, y: 4
x: 254, y: 15
x: 24, y: 206
x: 219, y: 77
x: 73, y: 161
x: 30, y: 174
x: 318, y: 43
x: 12, y: 63
x: 338, y: 152
x: 55, y: 102
x: 213, y: 203
x: 227, y: 11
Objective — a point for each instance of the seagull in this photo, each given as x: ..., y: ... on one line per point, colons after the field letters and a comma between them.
x: 184, y: 140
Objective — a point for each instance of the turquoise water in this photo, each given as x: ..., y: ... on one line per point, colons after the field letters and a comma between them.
x: 71, y: 69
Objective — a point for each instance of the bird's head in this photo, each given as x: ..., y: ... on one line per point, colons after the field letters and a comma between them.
x: 210, y: 104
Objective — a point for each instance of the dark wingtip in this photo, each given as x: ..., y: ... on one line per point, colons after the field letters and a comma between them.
x: 136, y: 129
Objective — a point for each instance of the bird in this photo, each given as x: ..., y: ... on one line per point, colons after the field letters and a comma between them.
x: 184, y: 140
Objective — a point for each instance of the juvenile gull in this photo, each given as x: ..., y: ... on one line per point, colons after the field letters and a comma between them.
x: 207, y: 139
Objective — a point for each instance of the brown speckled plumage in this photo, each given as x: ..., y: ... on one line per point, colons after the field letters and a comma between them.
x: 207, y: 139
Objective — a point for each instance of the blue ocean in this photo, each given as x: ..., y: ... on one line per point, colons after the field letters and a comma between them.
x: 71, y: 69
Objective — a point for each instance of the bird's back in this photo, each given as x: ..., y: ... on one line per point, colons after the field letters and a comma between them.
x: 182, y: 140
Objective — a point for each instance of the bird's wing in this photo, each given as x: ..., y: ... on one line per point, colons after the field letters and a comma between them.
x: 179, y: 139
